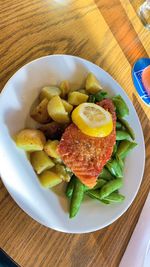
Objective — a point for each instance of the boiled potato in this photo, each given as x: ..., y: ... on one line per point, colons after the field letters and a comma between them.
x: 49, y: 91
x: 40, y: 161
x: 76, y: 98
x: 92, y: 85
x: 60, y: 170
x: 68, y: 107
x: 40, y: 113
x: 57, y: 161
x: 49, y: 178
x: 57, y: 111
x: 30, y: 140
x: 51, y: 148
x: 52, y: 130
x: 83, y: 91
x: 65, y: 88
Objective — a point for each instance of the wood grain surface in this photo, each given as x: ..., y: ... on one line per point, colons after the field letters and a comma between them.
x: 110, y: 34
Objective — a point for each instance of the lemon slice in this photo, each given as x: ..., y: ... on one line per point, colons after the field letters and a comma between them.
x: 92, y: 120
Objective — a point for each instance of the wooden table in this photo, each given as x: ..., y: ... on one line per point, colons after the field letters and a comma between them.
x: 109, y: 34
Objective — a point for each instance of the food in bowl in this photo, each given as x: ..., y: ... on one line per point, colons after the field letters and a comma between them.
x: 83, y: 140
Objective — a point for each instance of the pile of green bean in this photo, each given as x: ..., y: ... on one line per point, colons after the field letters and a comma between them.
x: 110, y: 179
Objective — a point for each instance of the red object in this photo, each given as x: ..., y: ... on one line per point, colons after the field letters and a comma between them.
x: 85, y: 155
x: 146, y: 79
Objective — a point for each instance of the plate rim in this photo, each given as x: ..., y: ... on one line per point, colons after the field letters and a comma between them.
x: 142, y: 170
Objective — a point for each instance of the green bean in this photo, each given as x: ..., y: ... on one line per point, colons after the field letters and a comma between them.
x: 91, y: 99
x: 122, y: 135
x: 99, y: 184
x: 124, y: 148
x: 115, y: 197
x: 86, y: 188
x: 110, y: 187
x: 70, y: 186
x: 116, y: 191
x: 114, y: 167
x: 118, y: 125
x: 99, y: 96
x: 76, y: 198
x: 95, y: 195
x: 112, y: 198
x: 127, y: 127
x: 106, y: 175
x: 120, y: 162
x: 121, y: 107
x: 105, y: 201
x: 114, y: 150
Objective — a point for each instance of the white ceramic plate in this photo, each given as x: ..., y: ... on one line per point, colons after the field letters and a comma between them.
x: 45, y: 206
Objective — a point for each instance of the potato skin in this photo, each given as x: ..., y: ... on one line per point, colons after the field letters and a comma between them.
x: 65, y: 88
x: 51, y: 148
x: 40, y: 113
x: 30, y: 140
x: 76, y: 98
x: 52, y: 130
x: 49, y: 92
x: 92, y: 85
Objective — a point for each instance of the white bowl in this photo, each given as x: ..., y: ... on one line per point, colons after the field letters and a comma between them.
x: 45, y: 206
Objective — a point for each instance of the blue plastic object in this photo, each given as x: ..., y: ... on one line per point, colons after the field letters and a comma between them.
x: 137, y: 70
